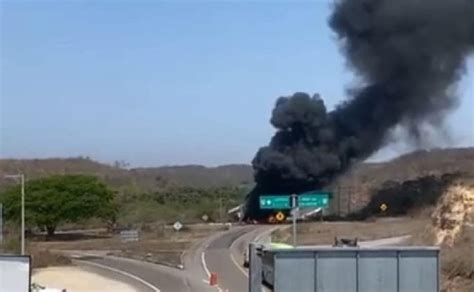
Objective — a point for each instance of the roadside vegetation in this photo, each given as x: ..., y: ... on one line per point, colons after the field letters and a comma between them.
x: 58, y: 199
x: 172, y: 203
x: 83, y: 201
x: 82, y: 212
x: 152, y: 199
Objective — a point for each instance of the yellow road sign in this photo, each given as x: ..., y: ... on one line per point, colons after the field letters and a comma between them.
x: 383, y: 207
x: 280, y: 216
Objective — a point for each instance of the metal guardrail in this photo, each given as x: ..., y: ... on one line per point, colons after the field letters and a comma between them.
x: 357, y: 269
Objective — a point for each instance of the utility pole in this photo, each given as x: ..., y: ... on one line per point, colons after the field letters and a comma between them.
x: 22, y: 180
x: 22, y: 214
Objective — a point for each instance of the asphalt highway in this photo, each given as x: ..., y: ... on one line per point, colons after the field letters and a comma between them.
x: 218, y: 258
x: 224, y: 255
x: 146, y: 277
x: 221, y: 253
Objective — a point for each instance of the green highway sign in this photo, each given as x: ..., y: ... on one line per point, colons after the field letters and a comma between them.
x: 275, y: 202
x: 313, y: 200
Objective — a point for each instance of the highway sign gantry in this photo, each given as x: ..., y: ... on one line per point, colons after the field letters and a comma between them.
x: 275, y: 202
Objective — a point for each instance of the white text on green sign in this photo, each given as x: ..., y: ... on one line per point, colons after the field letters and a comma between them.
x: 313, y: 200
x: 275, y: 202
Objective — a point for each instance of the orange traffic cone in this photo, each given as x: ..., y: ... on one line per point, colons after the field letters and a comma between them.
x: 213, y: 279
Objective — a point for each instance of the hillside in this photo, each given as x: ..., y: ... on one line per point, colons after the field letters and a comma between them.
x: 145, y: 178
x: 36, y: 168
x: 356, y: 184
x: 413, y: 165
x: 354, y: 189
x: 194, y: 175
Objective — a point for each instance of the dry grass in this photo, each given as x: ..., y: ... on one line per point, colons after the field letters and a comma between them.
x: 325, y: 232
x: 164, y: 246
x: 458, y: 263
x: 41, y: 258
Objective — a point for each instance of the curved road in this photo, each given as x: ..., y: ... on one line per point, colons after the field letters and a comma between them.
x: 147, y: 277
x: 221, y: 253
x: 218, y: 258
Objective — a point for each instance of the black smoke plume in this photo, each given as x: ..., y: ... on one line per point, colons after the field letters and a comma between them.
x: 407, y: 54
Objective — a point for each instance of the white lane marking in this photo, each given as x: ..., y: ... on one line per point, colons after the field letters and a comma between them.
x: 257, y: 238
x: 154, y: 288
x: 260, y: 235
x: 231, y: 248
x: 203, y: 262
x: 237, y: 264
x: 208, y: 273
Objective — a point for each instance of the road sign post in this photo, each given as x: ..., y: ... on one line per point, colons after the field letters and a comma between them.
x: 1, y: 223
x: 315, y: 199
x: 294, y: 215
x: 177, y: 226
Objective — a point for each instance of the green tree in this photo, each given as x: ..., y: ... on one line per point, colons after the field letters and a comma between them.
x: 59, y: 199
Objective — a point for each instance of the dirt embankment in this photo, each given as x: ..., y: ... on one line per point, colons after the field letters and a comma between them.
x: 453, y: 229
x: 454, y: 213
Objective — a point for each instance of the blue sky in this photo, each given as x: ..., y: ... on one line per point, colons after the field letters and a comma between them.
x: 162, y: 82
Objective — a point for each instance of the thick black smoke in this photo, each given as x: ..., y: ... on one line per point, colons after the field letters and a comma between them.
x: 408, y: 55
